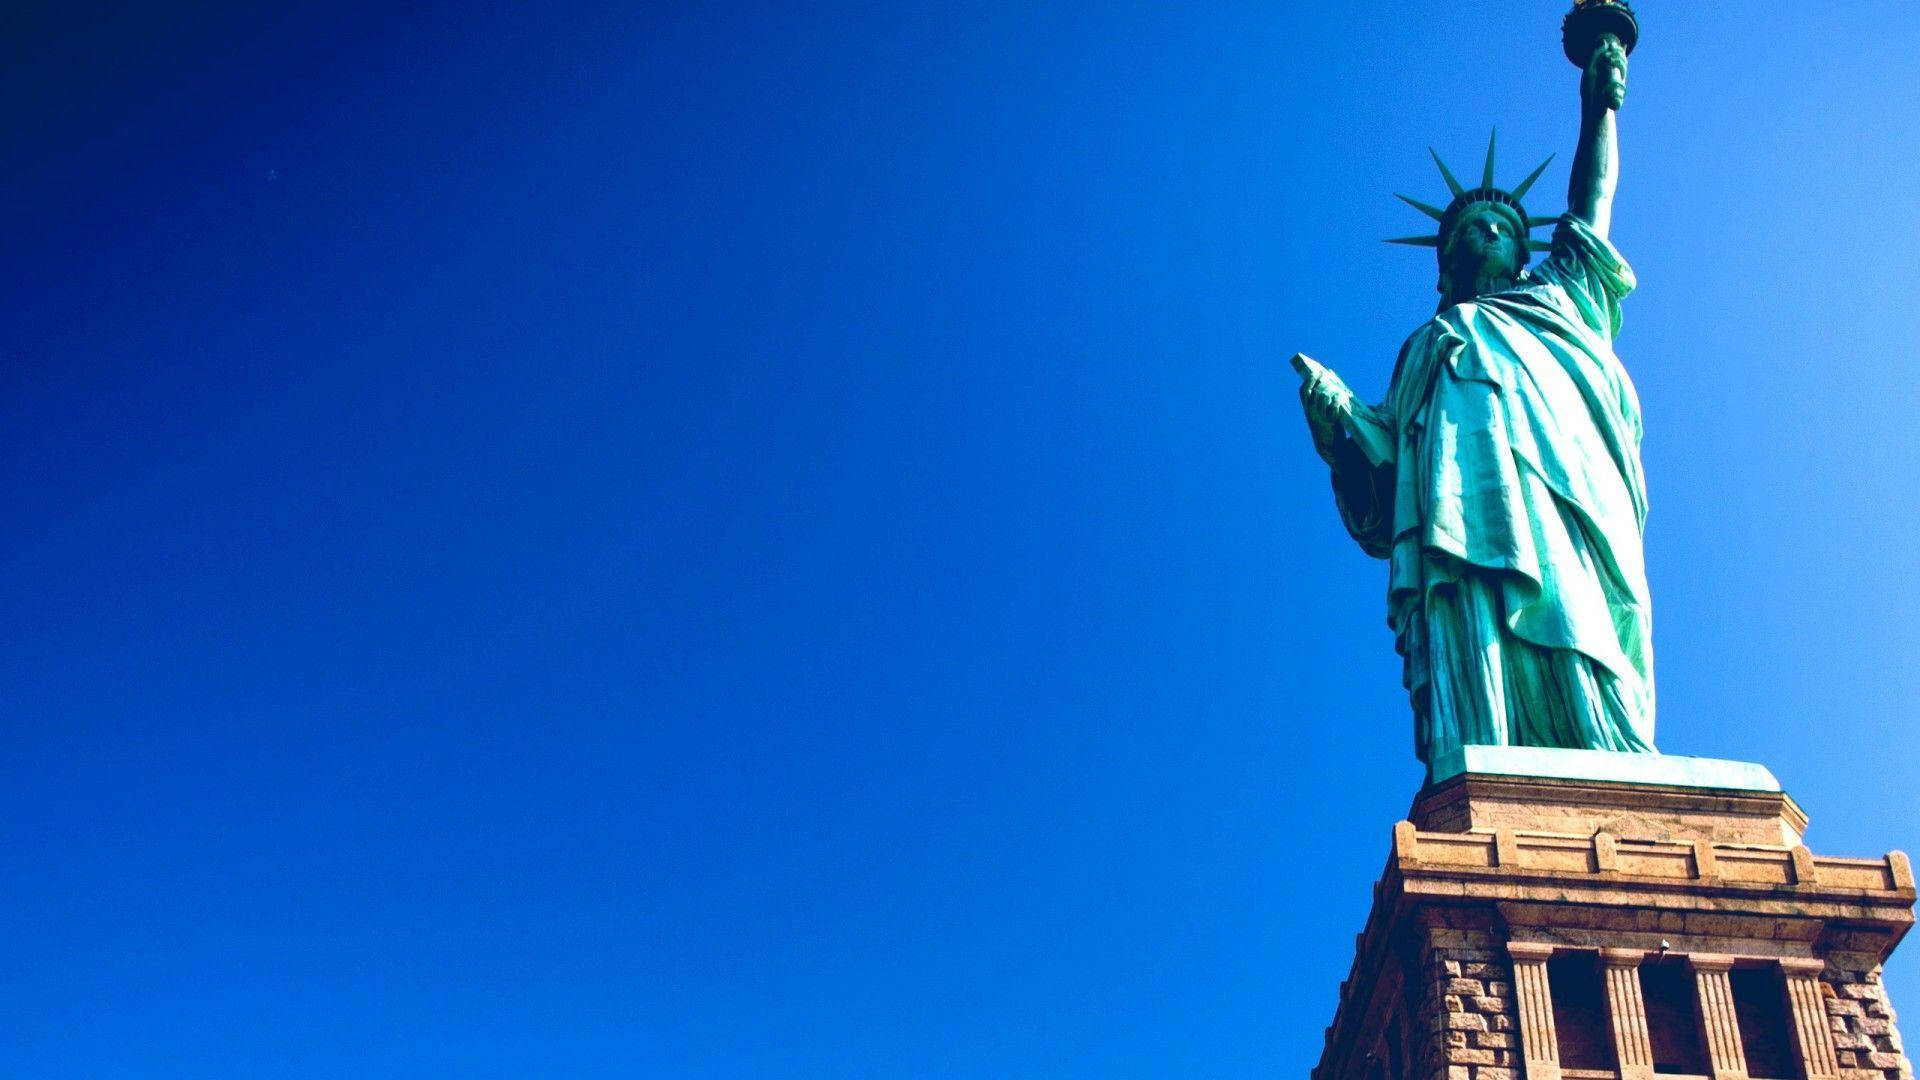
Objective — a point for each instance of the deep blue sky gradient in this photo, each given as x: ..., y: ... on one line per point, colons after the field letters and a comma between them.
x: 777, y: 540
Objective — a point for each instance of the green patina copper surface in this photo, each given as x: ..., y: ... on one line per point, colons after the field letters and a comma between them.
x: 1500, y: 478
x: 1670, y: 770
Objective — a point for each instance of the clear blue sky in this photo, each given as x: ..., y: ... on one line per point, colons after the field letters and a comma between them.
x: 777, y: 540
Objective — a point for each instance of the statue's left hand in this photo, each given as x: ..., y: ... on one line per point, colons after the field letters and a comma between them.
x: 1327, y: 401
x: 1604, y: 85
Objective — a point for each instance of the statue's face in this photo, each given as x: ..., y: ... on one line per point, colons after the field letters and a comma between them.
x: 1484, y: 243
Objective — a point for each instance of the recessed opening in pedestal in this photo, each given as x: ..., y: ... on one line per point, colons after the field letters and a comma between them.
x: 1760, y: 1007
x: 1578, y: 990
x: 1673, y: 1018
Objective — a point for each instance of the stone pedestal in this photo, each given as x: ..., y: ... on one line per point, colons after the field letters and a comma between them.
x: 1579, y: 929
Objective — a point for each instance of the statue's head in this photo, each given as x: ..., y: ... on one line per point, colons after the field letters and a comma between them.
x: 1483, y: 240
x: 1484, y: 248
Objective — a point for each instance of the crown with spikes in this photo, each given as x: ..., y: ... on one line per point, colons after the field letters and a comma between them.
x: 1464, y: 197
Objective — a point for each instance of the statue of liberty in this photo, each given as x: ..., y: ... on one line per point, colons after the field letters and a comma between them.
x: 1500, y: 479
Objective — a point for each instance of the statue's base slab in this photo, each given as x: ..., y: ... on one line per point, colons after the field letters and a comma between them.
x: 1659, y: 797
x: 1483, y: 802
x: 1670, y: 770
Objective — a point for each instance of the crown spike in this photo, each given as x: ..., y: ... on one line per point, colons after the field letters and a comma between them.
x: 1539, y: 222
x: 1539, y: 245
x: 1486, y: 175
x: 1433, y: 212
x: 1520, y: 189
x: 1416, y: 241
x: 1453, y: 185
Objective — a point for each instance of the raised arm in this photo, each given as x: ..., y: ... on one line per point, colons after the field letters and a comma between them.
x: 1596, y: 161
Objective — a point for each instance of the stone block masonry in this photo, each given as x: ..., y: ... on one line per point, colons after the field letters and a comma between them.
x: 1866, y: 1045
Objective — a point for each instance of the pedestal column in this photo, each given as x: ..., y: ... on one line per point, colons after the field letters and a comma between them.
x: 1539, y: 1045
x: 1718, y: 1022
x: 1627, y: 1013
x: 1807, y: 1007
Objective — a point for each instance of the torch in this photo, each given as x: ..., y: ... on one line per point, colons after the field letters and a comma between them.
x: 1592, y: 20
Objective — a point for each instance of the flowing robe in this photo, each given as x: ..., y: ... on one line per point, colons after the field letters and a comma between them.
x: 1501, y: 481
